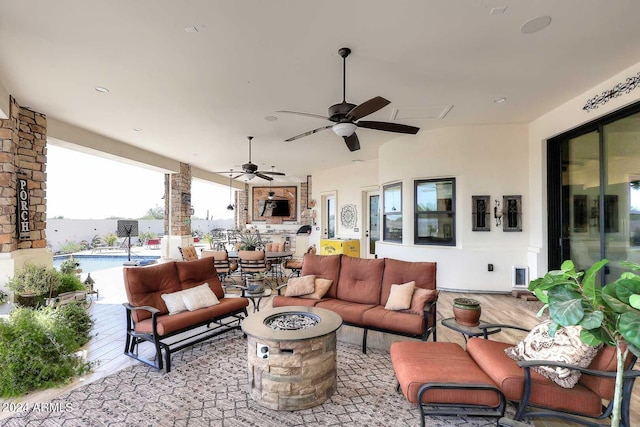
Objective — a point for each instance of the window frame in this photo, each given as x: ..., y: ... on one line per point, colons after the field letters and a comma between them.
x: 418, y: 213
x: 385, y: 234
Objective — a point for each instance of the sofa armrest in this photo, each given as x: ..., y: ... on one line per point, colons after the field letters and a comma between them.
x: 154, y: 316
x: 527, y: 364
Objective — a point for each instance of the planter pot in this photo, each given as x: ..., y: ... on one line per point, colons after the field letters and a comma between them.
x: 467, y: 311
x: 30, y: 300
x: 255, y: 286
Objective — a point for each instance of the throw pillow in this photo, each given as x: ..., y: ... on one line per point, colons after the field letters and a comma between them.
x: 565, y: 346
x: 199, y: 297
x: 400, y: 296
x: 174, y: 302
x: 297, y: 286
x: 321, y: 288
x: 420, y: 298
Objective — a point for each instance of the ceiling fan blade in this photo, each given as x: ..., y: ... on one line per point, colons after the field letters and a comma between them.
x: 311, y: 132
x: 315, y: 116
x: 272, y: 173
x: 368, y: 107
x: 352, y: 142
x: 263, y: 176
x: 388, y: 127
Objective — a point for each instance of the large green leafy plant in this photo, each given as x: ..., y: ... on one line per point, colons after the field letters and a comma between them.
x: 609, y: 314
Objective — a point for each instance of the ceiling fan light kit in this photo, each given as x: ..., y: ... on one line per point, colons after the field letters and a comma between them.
x: 347, y: 115
x: 344, y: 129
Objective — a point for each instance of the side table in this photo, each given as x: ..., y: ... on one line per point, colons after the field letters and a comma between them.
x: 254, y: 298
x: 469, y: 331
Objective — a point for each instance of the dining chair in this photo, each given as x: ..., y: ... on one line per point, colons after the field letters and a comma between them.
x: 188, y: 253
x: 224, y: 267
x: 251, y: 262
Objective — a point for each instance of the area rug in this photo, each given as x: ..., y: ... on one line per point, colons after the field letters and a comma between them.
x: 208, y: 386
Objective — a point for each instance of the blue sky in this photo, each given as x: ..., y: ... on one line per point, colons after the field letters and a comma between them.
x: 83, y: 186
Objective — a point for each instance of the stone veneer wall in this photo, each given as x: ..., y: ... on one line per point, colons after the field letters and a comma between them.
x: 180, y: 210
x: 241, y: 214
x: 23, y: 152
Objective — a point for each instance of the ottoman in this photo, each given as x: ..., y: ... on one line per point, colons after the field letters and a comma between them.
x: 442, y: 379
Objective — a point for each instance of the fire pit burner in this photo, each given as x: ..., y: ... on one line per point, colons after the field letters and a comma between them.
x: 292, y: 321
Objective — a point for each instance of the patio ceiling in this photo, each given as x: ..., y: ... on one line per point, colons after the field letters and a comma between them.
x: 199, y: 76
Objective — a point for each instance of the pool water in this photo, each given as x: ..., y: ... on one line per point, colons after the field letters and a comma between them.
x: 91, y: 263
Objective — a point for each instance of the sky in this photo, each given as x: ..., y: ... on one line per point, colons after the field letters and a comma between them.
x: 83, y: 186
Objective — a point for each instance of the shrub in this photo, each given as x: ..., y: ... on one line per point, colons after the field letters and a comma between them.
x: 110, y: 239
x: 70, y: 283
x: 37, y: 348
x: 69, y: 247
x: 69, y: 266
x: 34, y: 279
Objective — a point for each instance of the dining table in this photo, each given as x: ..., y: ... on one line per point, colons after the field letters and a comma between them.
x: 276, y: 260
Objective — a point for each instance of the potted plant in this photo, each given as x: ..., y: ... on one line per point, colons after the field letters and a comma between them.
x: 69, y: 266
x: 33, y: 282
x: 467, y: 311
x: 255, y: 283
x: 609, y: 314
x: 248, y: 241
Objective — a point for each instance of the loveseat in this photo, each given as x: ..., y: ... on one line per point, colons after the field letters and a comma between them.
x: 172, y: 298
x: 360, y: 289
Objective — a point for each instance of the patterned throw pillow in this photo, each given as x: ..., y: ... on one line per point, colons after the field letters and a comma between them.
x: 199, y: 297
x: 565, y: 346
x: 321, y: 287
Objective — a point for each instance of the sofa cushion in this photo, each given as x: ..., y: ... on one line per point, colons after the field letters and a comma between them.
x: 174, y: 302
x: 417, y: 363
x: 360, y: 280
x: 400, y: 296
x: 395, y: 321
x: 282, y: 301
x: 145, y: 285
x: 195, y: 273
x: 565, y: 346
x: 324, y: 266
x: 489, y: 355
x: 351, y: 312
x: 199, y: 297
x: 420, y: 298
x: 169, y: 324
x: 397, y: 271
x: 320, y: 288
x: 605, y: 360
x: 303, y: 285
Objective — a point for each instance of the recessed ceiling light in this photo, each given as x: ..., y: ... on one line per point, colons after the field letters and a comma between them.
x: 536, y: 24
x: 270, y: 118
x: 356, y: 161
x: 101, y: 89
x: 191, y: 30
x: 498, y: 10
x: 499, y: 100
x: 137, y: 129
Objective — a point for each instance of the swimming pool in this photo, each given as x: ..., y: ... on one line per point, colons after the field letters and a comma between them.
x: 91, y: 263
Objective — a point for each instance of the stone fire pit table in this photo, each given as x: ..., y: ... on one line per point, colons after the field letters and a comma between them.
x: 292, y: 356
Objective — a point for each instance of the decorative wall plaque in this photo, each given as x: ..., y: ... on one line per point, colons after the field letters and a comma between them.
x: 349, y: 216
x: 480, y: 213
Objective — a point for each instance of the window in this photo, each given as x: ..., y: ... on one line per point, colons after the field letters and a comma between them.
x: 392, y: 199
x: 435, y: 212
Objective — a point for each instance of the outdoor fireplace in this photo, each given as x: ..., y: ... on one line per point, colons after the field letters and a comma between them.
x: 292, y: 356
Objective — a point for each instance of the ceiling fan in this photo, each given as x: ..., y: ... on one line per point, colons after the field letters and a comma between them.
x: 347, y: 116
x: 250, y: 170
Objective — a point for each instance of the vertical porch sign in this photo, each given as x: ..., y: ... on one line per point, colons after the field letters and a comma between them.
x: 24, y: 230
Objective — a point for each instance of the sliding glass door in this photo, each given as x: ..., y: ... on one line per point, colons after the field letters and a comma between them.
x: 594, y: 193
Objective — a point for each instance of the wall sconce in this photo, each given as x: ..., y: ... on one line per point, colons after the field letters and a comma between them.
x: 497, y: 213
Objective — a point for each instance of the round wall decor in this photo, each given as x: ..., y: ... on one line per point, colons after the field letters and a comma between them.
x: 348, y: 216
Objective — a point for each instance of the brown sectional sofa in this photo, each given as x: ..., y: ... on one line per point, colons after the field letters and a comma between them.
x: 360, y: 291
x: 148, y: 319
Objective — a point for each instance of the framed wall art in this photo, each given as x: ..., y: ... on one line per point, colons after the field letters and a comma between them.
x: 480, y: 213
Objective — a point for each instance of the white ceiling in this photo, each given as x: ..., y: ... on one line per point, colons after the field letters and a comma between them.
x: 197, y: 95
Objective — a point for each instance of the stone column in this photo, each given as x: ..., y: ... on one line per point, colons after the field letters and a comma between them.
x: 23, y: 158
x: 242, y: 212
x: 177, y: 207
